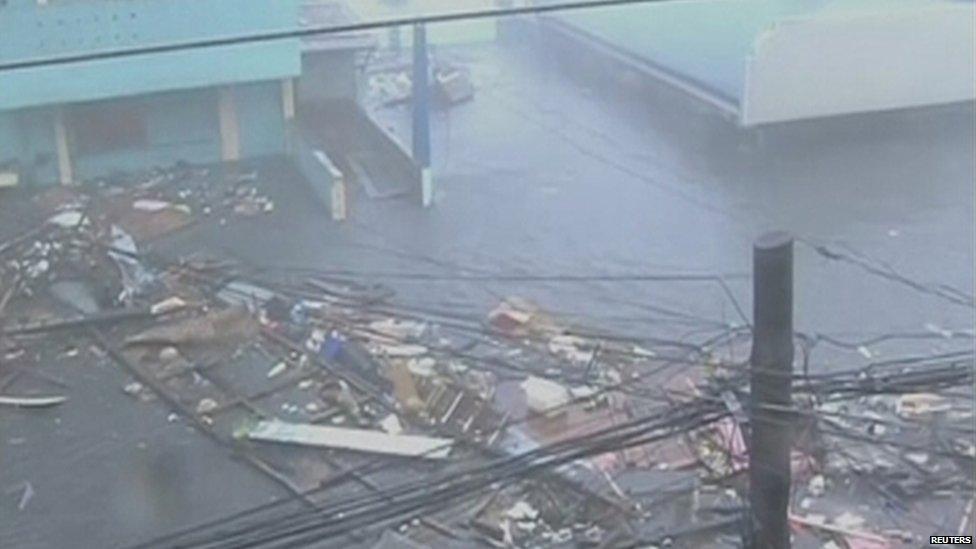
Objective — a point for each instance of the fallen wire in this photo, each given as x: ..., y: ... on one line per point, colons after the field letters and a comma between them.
x: 414, y: 497
x: 943, y: 291
x: 332, y: 521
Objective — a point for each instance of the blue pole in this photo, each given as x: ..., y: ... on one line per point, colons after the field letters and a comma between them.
x: 421, y: 98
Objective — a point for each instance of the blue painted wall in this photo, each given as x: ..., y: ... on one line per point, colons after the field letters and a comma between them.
x: 179, y: 126
x: 175, y: 93
x: 261, y: 118
x: 62, y: 27
x: 27, y: 137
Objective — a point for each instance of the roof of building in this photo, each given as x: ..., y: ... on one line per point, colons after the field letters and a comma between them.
x: 327, y: 14
x: 734, y: 56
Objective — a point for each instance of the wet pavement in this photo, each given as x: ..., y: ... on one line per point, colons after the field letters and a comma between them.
x: 542, y: 173
x: 107, y: 470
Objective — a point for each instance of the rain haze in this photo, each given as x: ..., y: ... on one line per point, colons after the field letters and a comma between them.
x: 487, y: 273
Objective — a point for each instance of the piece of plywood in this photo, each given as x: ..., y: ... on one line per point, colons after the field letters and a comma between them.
x: 32, y: 402
x: 359, y: 440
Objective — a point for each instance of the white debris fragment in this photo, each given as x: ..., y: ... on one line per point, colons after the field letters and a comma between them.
x: 522, y: 510
x: 569, y: 347
x: 150, y: 205
x: 277, y: 370
x: 66, y: 219
x: 351, y: 439
x: 33, y: 402
x: 563, y: 536
x: 401, y: 351
x: 391, y: 424
x: 26, y: 490
x: 849, y: 520
x: 543, y: 395
x: 422, y: 367
x: 206, y: 405
x: 865, y: 352
x: 132, y: 388
x: 918, y: 458
x: 583, y: 391
x: 315, y: 340
x: 817, y: 485
x: 167, y: 305
x: 914, y: 405
x: 935, y: 329
x: 289, y: 408
x: 642, y: 352
x: 814, y: 518
x: 508, y: 540
x: 124, y: 252
x: 512, y: 316
x: 169, y: 354
x: 398, y: 329
x: 38, y: 269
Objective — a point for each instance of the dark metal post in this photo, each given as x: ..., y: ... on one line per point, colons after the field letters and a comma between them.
x: 771, y: 391
x: 421, y: 98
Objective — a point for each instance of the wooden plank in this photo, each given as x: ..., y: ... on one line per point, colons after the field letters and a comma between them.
x: 32, y: 401
x: 361, y: 440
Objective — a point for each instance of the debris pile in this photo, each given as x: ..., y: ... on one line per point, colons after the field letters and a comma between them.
x: 390, y: 83
x: 515, y: 429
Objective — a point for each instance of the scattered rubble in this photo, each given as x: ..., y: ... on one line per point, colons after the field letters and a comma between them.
x: 306, y: 377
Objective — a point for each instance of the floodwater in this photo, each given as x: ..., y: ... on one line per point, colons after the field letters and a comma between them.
x: 543, y: 174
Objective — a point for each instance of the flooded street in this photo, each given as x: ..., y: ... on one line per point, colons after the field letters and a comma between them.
x: 623, y: 187
x: 597, y: 203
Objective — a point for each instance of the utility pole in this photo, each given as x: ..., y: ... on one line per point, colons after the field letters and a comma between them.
x: 770, y: 379
x: 421, y: 112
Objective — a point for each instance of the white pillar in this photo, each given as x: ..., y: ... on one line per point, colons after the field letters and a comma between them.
x: 288, y: 98
x: 339, y: 198
x: 65, y: 171
x: 426, y: 187
x: 230, y: 139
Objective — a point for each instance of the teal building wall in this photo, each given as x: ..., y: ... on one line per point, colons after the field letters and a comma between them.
x: 170, y: 100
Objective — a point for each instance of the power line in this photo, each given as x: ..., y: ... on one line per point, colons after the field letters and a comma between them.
x: 366, y: 510
x: 943, y: 291
x: 318, y: 31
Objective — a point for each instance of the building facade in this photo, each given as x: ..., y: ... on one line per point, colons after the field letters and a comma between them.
x: 66, y: 123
